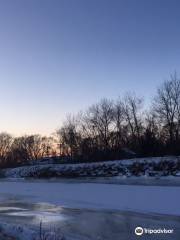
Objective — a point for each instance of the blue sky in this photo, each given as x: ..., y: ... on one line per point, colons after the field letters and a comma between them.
x: 58, y: 57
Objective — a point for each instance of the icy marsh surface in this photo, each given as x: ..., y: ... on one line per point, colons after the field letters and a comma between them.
x: 88, y: 211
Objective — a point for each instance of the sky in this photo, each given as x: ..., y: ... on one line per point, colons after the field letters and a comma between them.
x: 60, y: 56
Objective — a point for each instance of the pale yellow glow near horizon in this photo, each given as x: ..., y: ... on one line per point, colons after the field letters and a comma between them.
x: 28, y: 131
x: 45, y: 129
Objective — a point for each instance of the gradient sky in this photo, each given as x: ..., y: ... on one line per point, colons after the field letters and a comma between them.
x: 58, y: 57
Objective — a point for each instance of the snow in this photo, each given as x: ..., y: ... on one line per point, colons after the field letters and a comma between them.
x: 178, y: 174
x: 26, y: 233
x: 137, y: 166
x: 151, y: 199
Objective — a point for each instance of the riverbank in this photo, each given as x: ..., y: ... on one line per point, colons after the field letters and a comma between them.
x: 138, y: 167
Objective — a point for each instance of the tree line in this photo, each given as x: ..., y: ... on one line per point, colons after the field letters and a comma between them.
x: 106, y: 129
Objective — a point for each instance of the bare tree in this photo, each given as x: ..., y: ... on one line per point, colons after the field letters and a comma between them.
x: 100, y: 119
x: 69, y: 136
x: 167, y: 106
x: 38, y: 146
x: 119, y: 121
x: 19, y: 151
x: 133, y: 115
x: 6, y: 141
x: 31, y: 147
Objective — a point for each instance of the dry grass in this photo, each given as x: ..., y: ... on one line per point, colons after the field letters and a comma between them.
x: 4, y: 236
x: 52, y: 234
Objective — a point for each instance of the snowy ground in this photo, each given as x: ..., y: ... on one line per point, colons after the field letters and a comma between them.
x: 88, y: 211
x: 147, y: 167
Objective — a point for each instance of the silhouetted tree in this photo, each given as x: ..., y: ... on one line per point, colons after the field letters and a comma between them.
x: 6, y: 141
x: 134, y: 118
x: 167, y: 108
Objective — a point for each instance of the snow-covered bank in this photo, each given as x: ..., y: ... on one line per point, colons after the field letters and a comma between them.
x: 158, y: 167
x: 152, y: 199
